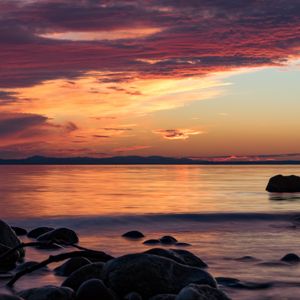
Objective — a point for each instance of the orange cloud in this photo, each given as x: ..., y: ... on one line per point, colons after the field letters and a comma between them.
x: 177, y: 134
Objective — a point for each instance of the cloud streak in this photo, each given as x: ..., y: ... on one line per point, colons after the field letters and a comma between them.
x: 177, y: 134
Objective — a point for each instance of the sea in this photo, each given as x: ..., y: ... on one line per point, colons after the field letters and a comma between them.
x: 223, y: 212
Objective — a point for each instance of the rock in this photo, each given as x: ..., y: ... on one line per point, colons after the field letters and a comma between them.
x: 181, y: 256
x: 291, y: 258
x: 201, y: 292
x: 168, y: 240
x: 19, y: 231
x: 164, y: 297
x: 284, y: 184
x: 48, y: 293
x: 182, y: 244
x: 35, y: 233
x: 132, y: 296
x: 91, y: 271
x: 60, y: 236
x: 71, y: 266
x: 9, y: 297
x: 30, y: 264
x: 9, y: 262
x: 237, y: 284
x: 133, y: 234
x: 150, y: 275
x: 247, y: 258
x: 9, y: 238
x: 151, y: 242
x: 94, y: 289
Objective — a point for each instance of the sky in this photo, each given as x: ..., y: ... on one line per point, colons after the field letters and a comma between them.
x: 213, y: 79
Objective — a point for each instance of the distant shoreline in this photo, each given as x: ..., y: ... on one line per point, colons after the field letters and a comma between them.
x: 134, y: 160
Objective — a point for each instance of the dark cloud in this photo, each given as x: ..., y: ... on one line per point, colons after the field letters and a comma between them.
x: 177, y: 134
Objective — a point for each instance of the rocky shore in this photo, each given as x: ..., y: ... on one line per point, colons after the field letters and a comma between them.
x: 160, y: 273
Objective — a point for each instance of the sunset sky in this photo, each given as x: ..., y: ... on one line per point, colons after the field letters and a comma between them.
x: 216, y: 79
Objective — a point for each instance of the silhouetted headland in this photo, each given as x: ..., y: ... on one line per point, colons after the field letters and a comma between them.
x: 134, y: 160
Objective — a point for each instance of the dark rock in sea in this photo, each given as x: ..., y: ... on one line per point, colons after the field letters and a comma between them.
x: 150, y: 275
x: 247, y: 258
x: 201, y: 292
x: 9, y: 238
x: 30, y: 264
x: 91, y: 271
x: 35, y: 233
x: 134, y: 234
x: 48, y: 293
x: 94, y: 289
x: 71, y: 266
x: 168, y: 240
x: 237, y: 284
x: 10, y: 261
x: 19, y: 231
x: 163, y: 297
x: 291, y: 258
x: 9, y: 297
x: 151, y: 242
x: 284, y: 184
x: 60, y: 236
x: 180, y: 244
x: 181, y: 256
x: 132, y: 296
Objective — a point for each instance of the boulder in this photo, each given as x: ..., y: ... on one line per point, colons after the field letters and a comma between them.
x: 94, y: 289
x: 168, y: 240
x: 284, y: 184
x: 35, y: 233
x: 150, y: 275
x: 48, y: 293
x: 9, y: 297
x: 71, y: 266
x: 91, y: 271
x: 201, y: 292
x: 133, y: 296
x: 164, y: 297
x: 134, y: 234
x: 291, y: 258
x: 60, y: 236
x: 9, y: 238
x: 10, y: 261
x: 19, y: 231
x: 151, y: 242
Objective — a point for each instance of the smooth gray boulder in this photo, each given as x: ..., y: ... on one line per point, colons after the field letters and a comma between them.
x: 71, y: 265
x: 201, y: 292
x: 9, y: 238
x: 284, y: 184
x: 150, y: 275
x: 48, y: 293
x: 94, y: 289
x: 91, y: 271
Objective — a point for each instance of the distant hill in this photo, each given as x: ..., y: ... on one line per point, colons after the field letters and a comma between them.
x: 132, y: 160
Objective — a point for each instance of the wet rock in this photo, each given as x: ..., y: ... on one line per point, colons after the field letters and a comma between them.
x: 168, y: 240
x: 134, y: 234
x: 91, y: 271
x: 60, y: 236
x: 151, y: 242
x: 48, y: 293
x: 150, y: 275
x: 291, y: 258
x: 71, y: 266
x: 164, y: 297
x: 19, y: 231
x: 247, y: 258
x: 30, y: 264
x: 201, y: 292
x: 9, y: 297
x: 9, y: 238
x: 284, y: 184
x: 9, y: 262
x: 181, y: 256
x: 35, y: 233
x: 133, y: 296
x: 235, y: 283
x: 182, y: 244
x: 94, y: 289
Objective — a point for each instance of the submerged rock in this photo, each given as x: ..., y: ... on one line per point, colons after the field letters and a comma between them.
x: 48, y: 293
x: 150, y: 275
x: 151, y: 242
x: 291, y: 258
x: 238, y: 284
x: 168, y: 240
x: 30, y: 264
x: 94, y: 289
x: 91, y: 271
x: 19, y: 231
x: 201, y: 292
x: 9, y: 238
x: 35, y: 233
x: 71, y: 265
x: 134, y: 234
x: 60, y: 236
x: 284, y: 184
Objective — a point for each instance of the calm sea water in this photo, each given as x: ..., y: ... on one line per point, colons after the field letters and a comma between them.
x: 223, y: 211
